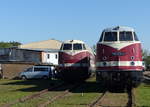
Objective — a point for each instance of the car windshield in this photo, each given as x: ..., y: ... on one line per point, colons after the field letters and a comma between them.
x: 125, y: 36
x: 77, y: 46
x: 67, y: 46
x: 110, y: 36
x: 28, y: 70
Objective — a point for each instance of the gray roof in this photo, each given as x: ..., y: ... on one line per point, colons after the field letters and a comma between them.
x: 118, y: 28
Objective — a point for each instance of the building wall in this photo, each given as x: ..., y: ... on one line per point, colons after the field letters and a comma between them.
x: 12, y: 70
x: 4, y: 53
x: 50, y: 57
x: 23, y: 55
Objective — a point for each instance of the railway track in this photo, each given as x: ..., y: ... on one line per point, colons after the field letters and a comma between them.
x: 60, y: 95
x: 131, y: 97
x: 63, y: 94
x: 26, y: 98
x: 105, y: 99
x: 115, y: 99
x: 67, y: 89
x: 98, y: 101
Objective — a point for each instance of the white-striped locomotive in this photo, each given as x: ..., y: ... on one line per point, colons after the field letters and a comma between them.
x: 119, y: 56
x: 76, y: 61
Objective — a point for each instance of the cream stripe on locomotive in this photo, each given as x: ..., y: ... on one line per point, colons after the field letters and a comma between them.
x: 119, y: 45
x: 74, y: 65
x: 118, y: 63
x: 74, y: 52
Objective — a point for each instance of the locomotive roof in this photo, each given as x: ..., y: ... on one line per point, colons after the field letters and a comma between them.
x: 79, y: 41
x: 74, y: 41
x: 118, y: 28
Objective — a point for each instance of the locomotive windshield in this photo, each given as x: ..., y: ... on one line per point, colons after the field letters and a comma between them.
x: 77, y: 46
x: 125, y: 36
x: 67, y: 46
x: 110, y: 36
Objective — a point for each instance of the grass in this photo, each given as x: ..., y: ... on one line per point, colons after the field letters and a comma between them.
x: 36, y: 101
x: 142, y: 95
x: 11, y: 90
x: 80, y: 97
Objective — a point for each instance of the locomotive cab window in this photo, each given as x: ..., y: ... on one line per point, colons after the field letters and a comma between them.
x: 135, y: 37
x: 67, y: 46
x: 84, y: 47
x: 61, y: 48
x: 77, y: 46
x: 125, y: 36
x: 101, y: 38
x: 110, y: 36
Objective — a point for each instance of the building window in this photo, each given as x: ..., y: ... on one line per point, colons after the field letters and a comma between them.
x: 48, y: 56
x: 56, y: 56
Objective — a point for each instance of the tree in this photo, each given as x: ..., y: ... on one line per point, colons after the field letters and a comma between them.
x: 9, y: 44
x: 94, y: 48
x: 146, y: 58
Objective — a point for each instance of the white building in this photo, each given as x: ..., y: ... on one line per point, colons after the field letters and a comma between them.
x: 50, y: 57
x: 49, y: 49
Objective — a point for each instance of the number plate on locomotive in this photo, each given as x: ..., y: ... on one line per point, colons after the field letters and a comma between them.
x: 118, y: 53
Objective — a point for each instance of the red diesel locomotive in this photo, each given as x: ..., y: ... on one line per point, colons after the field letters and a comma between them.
x: 119, y: 56
x: 76, y: 61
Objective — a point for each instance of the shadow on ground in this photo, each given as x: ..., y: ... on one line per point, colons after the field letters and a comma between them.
x: 86, y: 87
x: 34, y: 85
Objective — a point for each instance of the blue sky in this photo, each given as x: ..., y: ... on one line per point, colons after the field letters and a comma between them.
x: 27, y: 21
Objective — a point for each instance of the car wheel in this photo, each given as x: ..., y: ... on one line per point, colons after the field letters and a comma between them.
x: 24, y: 77
x: 45, y: 77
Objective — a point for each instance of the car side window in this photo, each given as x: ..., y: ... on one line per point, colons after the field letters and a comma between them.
x: 40, y: 69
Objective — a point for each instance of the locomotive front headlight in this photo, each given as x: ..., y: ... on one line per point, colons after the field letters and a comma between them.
x: 132, y: 63
x: 104, y: 63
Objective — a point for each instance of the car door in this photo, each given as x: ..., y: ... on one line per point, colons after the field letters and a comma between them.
x: 28, y: 73
x: 36, y: 72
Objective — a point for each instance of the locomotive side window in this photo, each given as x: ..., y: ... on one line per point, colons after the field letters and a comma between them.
x: 84, y: 47
x: 61, y: 48
x: 101, y: 38
x: 67, y: 46
x: 77, y: 46
x: 110, y: 36
x: 135, y: 37
x: 125, y: 36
